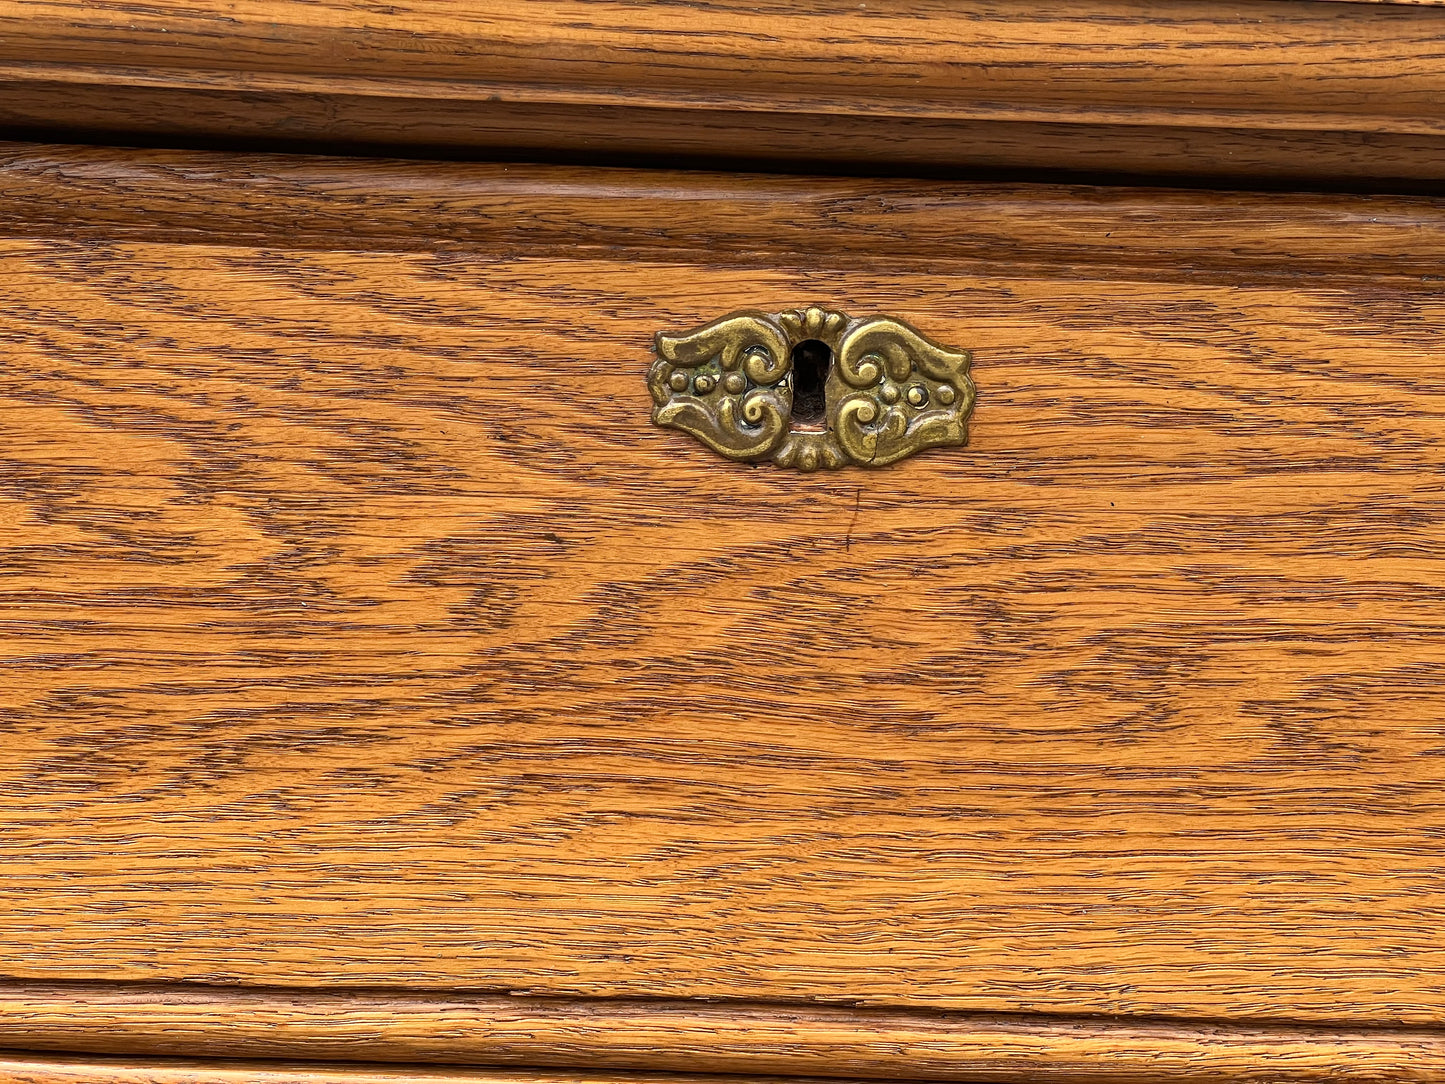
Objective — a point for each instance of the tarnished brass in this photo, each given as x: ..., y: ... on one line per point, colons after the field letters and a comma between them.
x: 886, y: 391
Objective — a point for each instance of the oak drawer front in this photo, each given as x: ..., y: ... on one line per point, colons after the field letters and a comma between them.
x: 361, y: 628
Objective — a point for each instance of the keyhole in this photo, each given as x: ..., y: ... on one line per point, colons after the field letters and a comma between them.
x: 811, y: 361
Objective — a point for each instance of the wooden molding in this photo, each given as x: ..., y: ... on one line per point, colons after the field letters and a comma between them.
x: 1263, y: 88
x: 300, y: 201
x: 21, y: 1068
x: 693, y: 1037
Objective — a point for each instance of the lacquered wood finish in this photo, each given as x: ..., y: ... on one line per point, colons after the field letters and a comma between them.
x: 614, y: 1037
x: 362, y: 630
x: 17, y: 1068
x: 315, y: 202
x: 1339, y: 93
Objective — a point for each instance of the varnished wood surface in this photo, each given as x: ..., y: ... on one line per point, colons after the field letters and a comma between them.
x: 319, y: 202
x: 1264, y: 88
x: 1313, y: 160
x: 361, y: 630
x: 22, y: 1068
x: 786, y: 1040
x: 1291, y: 60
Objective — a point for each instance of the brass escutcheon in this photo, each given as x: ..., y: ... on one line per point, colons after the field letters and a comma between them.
x: 811, y: 388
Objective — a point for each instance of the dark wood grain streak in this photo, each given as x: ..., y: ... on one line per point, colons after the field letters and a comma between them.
x: 299, y: 201
x: 1279, y: 88
x: 617, y: 1036
x: 1239, y: 157
x: 360, y: 629
x: 374, y: 125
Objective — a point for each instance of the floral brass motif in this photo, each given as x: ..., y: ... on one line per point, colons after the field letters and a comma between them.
x: 886, y: 390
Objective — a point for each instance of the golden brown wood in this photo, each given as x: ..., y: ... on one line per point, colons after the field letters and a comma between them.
x: 360, y: 628
x: 17, y: 1068
x: 301, y: 201
x: 789, y: 1040
x: 1276, y: 88
x: 1244, y: 157
x: 20, y: 1068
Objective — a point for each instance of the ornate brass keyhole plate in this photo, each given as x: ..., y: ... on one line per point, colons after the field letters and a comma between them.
x: 811, y: 388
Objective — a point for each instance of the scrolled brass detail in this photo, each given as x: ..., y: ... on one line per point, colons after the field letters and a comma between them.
x: 888, y: 392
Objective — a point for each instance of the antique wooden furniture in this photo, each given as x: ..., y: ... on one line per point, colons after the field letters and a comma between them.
x: 388, y: 697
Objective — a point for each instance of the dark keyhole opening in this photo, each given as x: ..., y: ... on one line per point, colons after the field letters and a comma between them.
x: 811, y: 361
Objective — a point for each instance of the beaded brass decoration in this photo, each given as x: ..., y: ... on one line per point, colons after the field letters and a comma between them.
x: 811, y: 388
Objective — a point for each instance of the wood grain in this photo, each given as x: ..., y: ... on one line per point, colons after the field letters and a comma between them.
x: 18, y: 1068
x: 787, y: 1040
x: 309, y: 201
x: 361, y: 630
x: 1314, y: 160
x: 1343, y: 93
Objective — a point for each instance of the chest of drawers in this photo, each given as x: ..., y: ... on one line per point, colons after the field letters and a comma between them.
x: 383, y: 685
